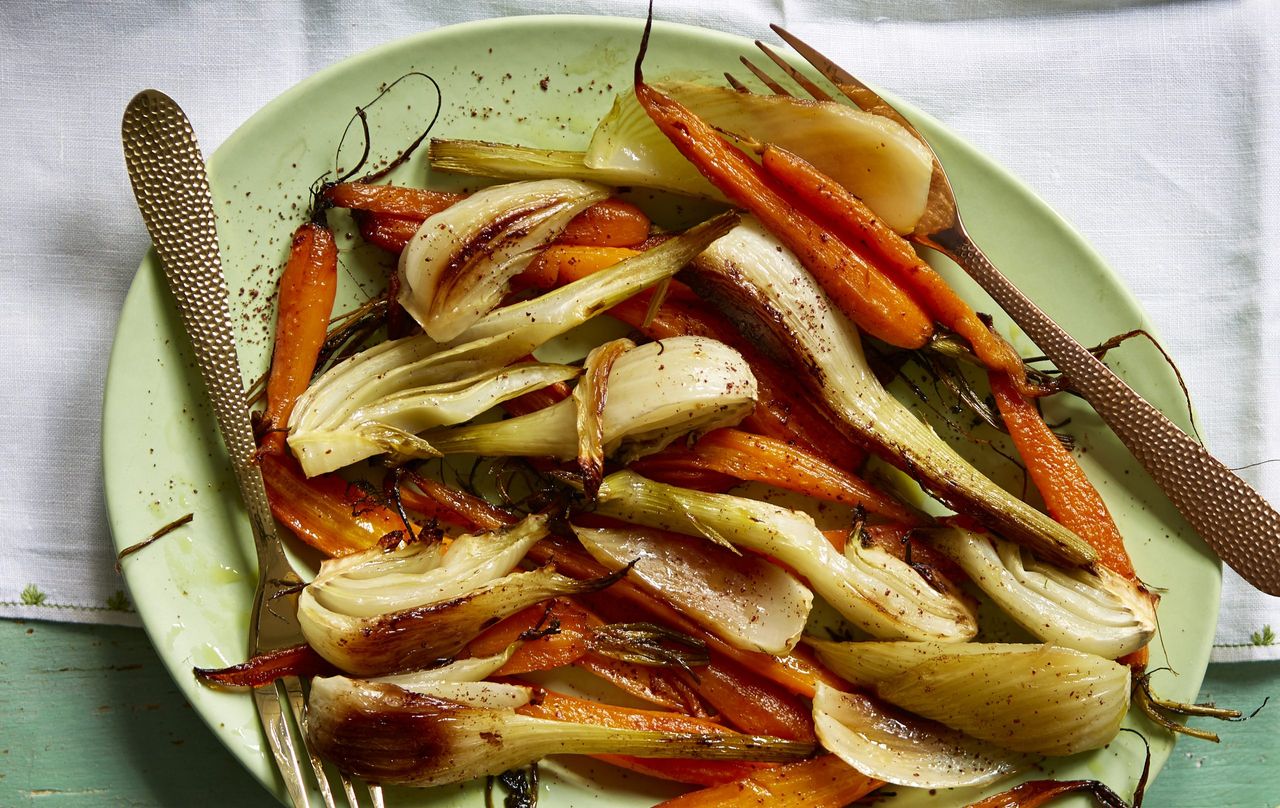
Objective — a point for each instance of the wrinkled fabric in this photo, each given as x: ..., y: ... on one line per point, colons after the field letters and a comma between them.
x: 1152, y: 127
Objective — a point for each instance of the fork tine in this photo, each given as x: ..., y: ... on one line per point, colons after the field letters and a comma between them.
x: 735, y: 84
x: 764, y: 77
x: 799, y: 78
x: 350, y: 789
x: 857, y: 92
x: 280, y: 737
x: 375, y: 794
x: 298, y: 703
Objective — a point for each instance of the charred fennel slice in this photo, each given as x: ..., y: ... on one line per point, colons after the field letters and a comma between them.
x: 869, y: 587
x: 391, y: 610
x: 434, y: 734
x: 1093, y: 610
x: 374, y: 402
x: 763, y: 286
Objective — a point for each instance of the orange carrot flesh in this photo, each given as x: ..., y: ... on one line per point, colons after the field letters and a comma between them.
x: 396, y: 200
x: 387, y: 231
x: 326, y: 511
x: 439, y: 501
x: 691, y: 772
x: 769, y: 460
x: 307, y: 289
x: 754, y: 704
x: 561, y: 707
x: 860, y: 290
x: 822, y: 782
x: 610, y: 223
x: 849, y: 218
x: 1068, y: 495
x: 563, y: 647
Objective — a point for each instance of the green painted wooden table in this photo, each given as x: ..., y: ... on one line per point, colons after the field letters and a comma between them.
x: 89, y: 717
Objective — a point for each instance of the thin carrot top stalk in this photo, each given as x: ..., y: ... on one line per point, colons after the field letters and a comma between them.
x: 307, y: 289
x: 823, y: 782
x: 768, y: 460
x: 849, y: 218
x: 860, y: 290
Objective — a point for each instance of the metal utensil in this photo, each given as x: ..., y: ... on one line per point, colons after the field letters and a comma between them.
x: 172, y: 191
x: 1232, y: 518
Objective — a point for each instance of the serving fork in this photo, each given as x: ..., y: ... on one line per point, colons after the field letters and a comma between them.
x: 1232, y: 518
x: 169, y: 182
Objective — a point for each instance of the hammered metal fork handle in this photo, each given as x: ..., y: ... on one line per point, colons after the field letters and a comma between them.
x: 1241, y: 527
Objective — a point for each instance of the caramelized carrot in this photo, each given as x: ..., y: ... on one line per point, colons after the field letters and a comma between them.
x: 611, y: 223
x: 1068, y: 495
x: 296, y: 660
x: 307, y: 289
x: 565, y: 646
x: 860, y: 290
x: 848, y: 217
x: 389, y: 232
x: 396, y: 200
x: 327, y: 512
x: 823, y: 782
x: 439, y: 501
x: 768, y: 460
x: 535, y: 400
x: 752, y: 703
x: 560, y: 707
x: 692, y: 772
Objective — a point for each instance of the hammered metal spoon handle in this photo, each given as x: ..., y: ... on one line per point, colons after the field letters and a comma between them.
x: 1232, y: 518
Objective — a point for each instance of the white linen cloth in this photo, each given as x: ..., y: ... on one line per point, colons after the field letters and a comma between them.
x: 1152, y: 127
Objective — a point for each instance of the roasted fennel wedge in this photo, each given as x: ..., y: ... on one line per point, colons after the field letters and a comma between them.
x: 905, y: 749
x: 343, y: 416
x: 745, y: 600
x: 767, y: 291
x: 1040, y: 699
x: 870, y: 588
x: 657, y: 392
x: 1090, y: 609
x: 423, y: 737
x: 392, y: 610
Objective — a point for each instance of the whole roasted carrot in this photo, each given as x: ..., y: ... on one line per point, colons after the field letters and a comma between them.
x: 769, y: 460
x: 846, y: 216
x: 396, y: 200
x: 823, y: 782
x: 1035, y: 793
x: 860, y: 290
x: 307, y: 289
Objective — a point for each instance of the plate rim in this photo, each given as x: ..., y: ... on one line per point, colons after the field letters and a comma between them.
x: 246, y: 130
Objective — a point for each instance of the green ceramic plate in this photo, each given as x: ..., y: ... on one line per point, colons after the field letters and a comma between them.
x: 541, y: 81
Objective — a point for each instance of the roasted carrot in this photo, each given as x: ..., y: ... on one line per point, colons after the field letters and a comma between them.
x: 535, y: 400
x: 307, y: 289
x: 564, y: 646
x: 823, y: 782
x: 396, y: 200
x: 439, y: 501
x: 752, y: 703
x: 384, y: 230
x: 1068, y: 495
x: 860, y: 290
x: 611, y: 223
x: 327, y: 512
x: 692, y: 772
x: 849, y: 218
x: 769, y: 460
x: 296, y: 660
